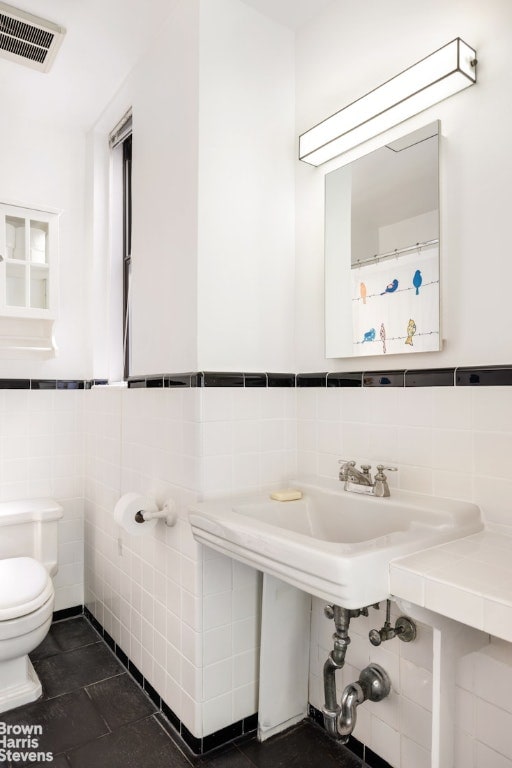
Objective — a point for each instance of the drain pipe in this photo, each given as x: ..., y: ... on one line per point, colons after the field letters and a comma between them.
x: 373, y: 684
x: 336, y: 660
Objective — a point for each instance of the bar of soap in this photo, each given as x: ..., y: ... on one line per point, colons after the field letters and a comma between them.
x: 288, y: 494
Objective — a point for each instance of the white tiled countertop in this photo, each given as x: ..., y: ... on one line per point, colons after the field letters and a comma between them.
x: 468, y: 580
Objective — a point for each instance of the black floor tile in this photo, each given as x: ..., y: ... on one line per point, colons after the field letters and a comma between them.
x: 74, y: 669
x: 74, y: 633
x: 94, y: 715
x: 67, y: 721
x: 304, y: 746
x: 119, y: 700
x: 66, y: 636
x: 138, y: 745
x: 47, y: 648
x: 226, y: 757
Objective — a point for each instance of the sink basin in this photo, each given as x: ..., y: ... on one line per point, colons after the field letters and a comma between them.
x: 331, y: 543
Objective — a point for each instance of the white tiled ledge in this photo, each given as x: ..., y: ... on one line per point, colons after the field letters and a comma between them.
x: 468, y: 580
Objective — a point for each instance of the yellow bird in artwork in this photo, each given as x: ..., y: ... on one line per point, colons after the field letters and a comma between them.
x: 411, y: 330
x: 362, y: 292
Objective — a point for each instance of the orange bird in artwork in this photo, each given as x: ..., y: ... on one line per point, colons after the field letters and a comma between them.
x: 362, y: 292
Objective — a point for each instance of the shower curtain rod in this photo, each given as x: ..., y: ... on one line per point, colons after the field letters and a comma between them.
x: 397, y: 252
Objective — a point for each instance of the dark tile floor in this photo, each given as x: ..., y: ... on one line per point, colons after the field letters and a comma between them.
x: 94, y: 715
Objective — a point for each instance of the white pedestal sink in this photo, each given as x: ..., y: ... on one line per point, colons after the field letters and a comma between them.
x: 333, y: 544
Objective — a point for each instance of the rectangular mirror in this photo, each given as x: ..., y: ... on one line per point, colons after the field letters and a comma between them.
x: 382, y: 250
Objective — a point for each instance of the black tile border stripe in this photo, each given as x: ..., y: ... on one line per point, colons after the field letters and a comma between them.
x: 364, y: 753
x: 463, y: 376
x: 434, y: 377
x: 199, y: 746
x: 344, y: 379
x: 68, y: 613
x: 490, y: 376
x: 384, y: 379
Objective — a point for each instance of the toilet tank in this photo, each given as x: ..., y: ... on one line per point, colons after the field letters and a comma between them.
x: 28, y: 528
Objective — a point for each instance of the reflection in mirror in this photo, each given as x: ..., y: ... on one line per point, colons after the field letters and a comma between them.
x: 382, y: 250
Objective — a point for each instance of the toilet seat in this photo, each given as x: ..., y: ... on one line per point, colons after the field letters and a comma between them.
x: 25, y: 586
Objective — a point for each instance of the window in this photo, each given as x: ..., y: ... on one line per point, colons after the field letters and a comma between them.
x: 121, y: 146
x: 127, y: 249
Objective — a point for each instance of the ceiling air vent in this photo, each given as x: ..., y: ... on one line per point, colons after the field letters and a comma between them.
x: 28, y: 39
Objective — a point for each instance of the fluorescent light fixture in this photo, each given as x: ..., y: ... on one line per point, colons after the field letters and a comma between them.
x: 443, y: 73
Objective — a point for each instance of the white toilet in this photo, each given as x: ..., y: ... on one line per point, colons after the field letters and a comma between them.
x: 28, y: 560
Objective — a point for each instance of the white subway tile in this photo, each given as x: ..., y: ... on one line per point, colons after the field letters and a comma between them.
x: 414, y: 756
x: 217, y: 575
x: 419, y: 652
x: 245, y: 668
x: 457, y: 603
x: 217, y: 404
x: 465, y: 710
x: 492, y: 409
x: 245, y: 701
x: 217, y: 713
x: 191, y: 680
x: 217, y: 610
x: 217, y: 644
x: 493, y: 727
x: 191, y: 644
x: 246, y: 635
x: 410, y: 586
x: 385, y: 741
x: 217, y: 679
x: 416, y: 683
x: 415, y: 723
x: 191, y: 713
x: 489, y: 758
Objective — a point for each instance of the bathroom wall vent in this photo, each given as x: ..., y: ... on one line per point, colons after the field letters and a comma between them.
x: 28, y: 39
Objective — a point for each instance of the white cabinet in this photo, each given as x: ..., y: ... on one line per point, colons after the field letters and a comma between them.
x: 28, y: 278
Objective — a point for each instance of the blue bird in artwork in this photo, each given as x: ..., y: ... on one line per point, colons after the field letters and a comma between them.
x: 417, y: 281
x: 369, y: 335
x: 391, y: 287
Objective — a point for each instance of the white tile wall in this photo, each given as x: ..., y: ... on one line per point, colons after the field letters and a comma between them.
x: 191, y: 626
x: 447, y: 441
x: 484, y: 708
x: 248, y: 438
x: 146, y: 591
x: 453, y: 442
x: 188, y: 619
x: 41, y: 454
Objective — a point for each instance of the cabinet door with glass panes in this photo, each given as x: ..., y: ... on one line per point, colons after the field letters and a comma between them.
x: 28, y: 249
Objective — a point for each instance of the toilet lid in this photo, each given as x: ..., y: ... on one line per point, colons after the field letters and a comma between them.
x: 25, y: 585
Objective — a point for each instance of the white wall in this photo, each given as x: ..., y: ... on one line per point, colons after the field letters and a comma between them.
x: 44, y: 166
x: 213, y: 181
x: 162, y: 90
x: 246, y: 182
x: 354, y: 47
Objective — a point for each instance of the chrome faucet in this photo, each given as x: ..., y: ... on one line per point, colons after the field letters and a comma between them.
x: 360, y: 480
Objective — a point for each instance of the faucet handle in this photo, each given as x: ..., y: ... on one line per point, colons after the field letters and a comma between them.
x: 347, y: 461
x: 381, y: 468
x: 380, y: 484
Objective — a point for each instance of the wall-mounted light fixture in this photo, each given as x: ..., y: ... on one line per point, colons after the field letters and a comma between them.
x: 443, y: 73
